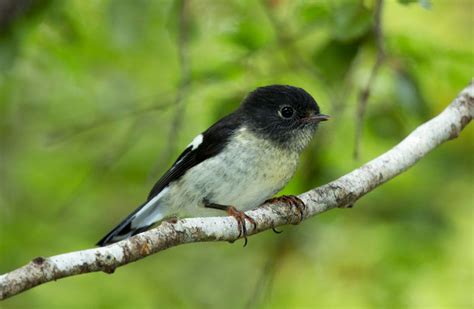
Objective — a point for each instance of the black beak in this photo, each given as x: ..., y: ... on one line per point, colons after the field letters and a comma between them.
x: 316, y: 118
x: 321, y: 117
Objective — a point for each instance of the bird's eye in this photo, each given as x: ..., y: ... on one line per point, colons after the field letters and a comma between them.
x: 287, y: 112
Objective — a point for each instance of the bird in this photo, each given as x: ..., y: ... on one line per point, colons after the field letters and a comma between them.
x: 237, y: 164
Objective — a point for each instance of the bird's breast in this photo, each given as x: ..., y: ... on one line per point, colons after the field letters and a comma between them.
x: 248, y: 171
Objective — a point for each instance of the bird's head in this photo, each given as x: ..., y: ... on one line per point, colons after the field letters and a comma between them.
x: 285, y: 114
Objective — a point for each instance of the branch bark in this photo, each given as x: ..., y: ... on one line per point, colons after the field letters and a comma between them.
x: 342, y: 192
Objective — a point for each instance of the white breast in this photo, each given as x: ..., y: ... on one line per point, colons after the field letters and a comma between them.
x: 246, y: 173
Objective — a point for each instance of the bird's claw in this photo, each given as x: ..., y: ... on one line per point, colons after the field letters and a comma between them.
x: 240, y: 216
x: 276, y: 231
x: 291, y: 200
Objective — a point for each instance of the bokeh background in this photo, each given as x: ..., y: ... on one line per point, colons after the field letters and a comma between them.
x: 98, y: 97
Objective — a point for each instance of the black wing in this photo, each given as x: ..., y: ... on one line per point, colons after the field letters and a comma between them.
x: 214, y: 140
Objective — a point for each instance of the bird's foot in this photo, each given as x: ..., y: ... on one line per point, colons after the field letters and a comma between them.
x: 240, y: 216
x: 276, y: 231
x: 291, y: 200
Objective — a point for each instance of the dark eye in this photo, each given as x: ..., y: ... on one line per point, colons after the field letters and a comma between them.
x: 287, y: 112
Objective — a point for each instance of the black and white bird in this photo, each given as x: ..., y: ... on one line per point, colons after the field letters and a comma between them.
x: 235, y: 165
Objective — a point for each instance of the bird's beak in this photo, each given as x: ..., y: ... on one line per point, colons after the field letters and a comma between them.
x: 321, y: 117
x: 316, y: 118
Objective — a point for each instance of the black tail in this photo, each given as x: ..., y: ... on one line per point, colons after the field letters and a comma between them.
x: 123, y: 230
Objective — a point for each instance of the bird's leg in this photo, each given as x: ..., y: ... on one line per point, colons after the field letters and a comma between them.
x: 240, y: 216
x: 291, y: 200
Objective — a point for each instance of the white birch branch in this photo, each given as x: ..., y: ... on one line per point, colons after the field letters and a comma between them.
x: 339, y: 193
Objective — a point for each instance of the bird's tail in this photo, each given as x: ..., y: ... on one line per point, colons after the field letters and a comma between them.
x: 138, y: 221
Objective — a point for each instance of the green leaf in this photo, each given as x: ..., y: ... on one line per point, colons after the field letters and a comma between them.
x: 350, y: 21
x: 426, y: 4
x: 127, y: 21
x: 385, y: 122
x: 314, y: 13
x: 408, y: 94
x: 335, y: 58
x: 220, y: 72
x: 248, y: 34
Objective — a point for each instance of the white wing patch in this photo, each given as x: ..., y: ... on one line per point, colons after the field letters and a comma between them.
x: 196, y: 142
x: 150, y: 212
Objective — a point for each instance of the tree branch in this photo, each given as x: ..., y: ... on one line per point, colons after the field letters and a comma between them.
x: 339, y: 193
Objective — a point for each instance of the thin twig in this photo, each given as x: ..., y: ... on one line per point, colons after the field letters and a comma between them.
x: 61, y: 135
x: 365, y: 93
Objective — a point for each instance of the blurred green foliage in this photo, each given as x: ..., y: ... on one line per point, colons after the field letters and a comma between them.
x: 88, y: 91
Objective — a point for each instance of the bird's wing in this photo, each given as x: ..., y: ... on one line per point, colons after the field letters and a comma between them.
x: 203, y: 147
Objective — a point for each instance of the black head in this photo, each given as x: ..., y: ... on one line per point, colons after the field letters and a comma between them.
x: 285, y: 114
